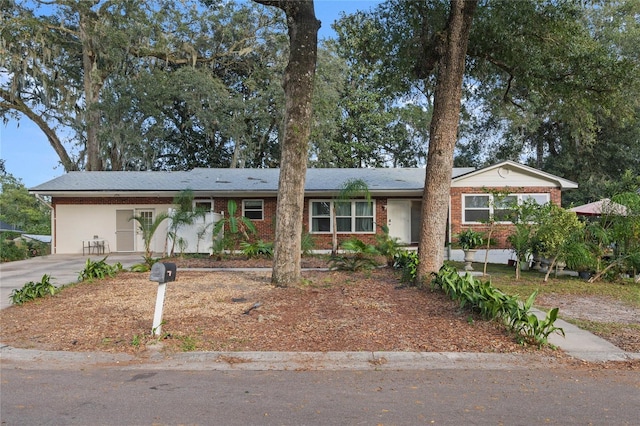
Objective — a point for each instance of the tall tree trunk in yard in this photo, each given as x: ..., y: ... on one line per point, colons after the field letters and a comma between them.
x: 93, y: 83
x: 443, y: 136
x: 298, y: 88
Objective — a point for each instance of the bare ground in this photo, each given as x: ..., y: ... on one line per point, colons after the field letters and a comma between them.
x: 241, y: 311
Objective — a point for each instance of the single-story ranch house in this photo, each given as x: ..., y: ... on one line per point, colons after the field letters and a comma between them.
x: 93, y: 210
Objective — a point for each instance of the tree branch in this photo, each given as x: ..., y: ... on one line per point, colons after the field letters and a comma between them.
x: 15, y: 103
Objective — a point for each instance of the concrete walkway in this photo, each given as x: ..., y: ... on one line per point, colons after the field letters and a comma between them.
x: 577, y: 343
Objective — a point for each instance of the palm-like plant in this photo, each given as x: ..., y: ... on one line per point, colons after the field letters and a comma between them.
x: 351, y: 188
x: 148, y: 230
x: 183, y: 215
x: 237, y: 225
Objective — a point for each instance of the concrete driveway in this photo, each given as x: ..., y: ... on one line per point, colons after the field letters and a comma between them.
x: 63, y: 269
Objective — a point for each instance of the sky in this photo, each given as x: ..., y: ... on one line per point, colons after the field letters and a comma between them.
x: 29, y: 156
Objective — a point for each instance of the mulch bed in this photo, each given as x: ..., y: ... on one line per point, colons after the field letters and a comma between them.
x: 241, y: 311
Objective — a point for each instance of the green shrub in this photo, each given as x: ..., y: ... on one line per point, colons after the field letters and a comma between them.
x: 98, y: 270
x: 10, y: 251
x: 470, y: 239
x: 360, y: 256
x: 307, y: 244
x: 491, y: 303
x: 257, y: 249
x: 351, y: 263
x: 148, y: 262
x: 33, y: 290
x: 407, y: 262
x: 37, y: 248
x: 387, y: 246
x: 140, y: 267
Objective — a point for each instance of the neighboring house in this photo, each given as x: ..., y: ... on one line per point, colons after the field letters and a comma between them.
x: 5, y: 227
x: 101, y: 204
x: 43, y: 239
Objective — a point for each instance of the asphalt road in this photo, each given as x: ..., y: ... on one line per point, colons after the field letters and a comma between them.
x: 120, y: 396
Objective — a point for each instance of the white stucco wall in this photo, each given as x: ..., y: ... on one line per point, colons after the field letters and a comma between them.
x: 74, y: 223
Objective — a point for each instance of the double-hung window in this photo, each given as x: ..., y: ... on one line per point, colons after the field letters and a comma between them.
x: 478, y: 208
x: 350, y: 216
x: 253, y: 209
x: 202, y: 205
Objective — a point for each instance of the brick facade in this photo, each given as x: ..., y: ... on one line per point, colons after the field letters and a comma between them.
x: 500, y: 231
x: 266, y: 227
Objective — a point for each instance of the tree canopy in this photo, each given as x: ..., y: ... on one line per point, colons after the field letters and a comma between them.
x: 164, y: 85
x: 21, y: 209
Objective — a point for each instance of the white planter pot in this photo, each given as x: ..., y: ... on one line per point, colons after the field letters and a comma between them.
x: 469, y: 256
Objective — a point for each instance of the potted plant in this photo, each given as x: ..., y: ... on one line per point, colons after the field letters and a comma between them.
x: 469, y: 240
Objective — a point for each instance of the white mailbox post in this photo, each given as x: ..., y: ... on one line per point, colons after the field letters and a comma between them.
x: 161, y: 273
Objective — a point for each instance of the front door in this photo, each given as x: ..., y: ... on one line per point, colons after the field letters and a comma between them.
x: 125, y: 231
x: 399, y: 220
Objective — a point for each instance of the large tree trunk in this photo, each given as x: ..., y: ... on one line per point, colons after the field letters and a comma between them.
x: 443, y: 136
x: 92, y: 85
x: 298, y: 90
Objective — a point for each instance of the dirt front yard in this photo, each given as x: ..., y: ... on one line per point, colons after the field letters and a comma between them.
x: 240, y: 311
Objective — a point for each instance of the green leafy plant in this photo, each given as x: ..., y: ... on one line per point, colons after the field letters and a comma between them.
x: 136, y: 340
x: 470, y: 239
x: 523, y: 240
x: 359, y: 256
x: 307, y: 244
x: 491, y: 304
x: 521, y: 244
x: 350, y: 188
x: 33, y: 290
x: 189, y: 343
x: 407, y: 262
x: 143, y: 267
x: 148, y: 230
x: 238, y: 227
x: 182, y: 215
x: 10, y: 251
x: 527, y: 325
x: 387, y: 246
x: 555, y: 229
x: 257, y: 249
x: 98, y: 270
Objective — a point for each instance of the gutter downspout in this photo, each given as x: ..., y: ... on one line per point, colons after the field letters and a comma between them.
x: 449, y: 230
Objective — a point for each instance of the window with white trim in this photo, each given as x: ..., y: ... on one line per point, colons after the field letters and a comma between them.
x: 253, y: 209
x: 203, y: 205
x: 478, y: 208
x: 351, y: 217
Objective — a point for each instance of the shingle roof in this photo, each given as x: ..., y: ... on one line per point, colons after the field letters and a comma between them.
x: 234, y: 180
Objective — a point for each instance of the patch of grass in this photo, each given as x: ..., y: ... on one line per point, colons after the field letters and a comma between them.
x: 602, y: 328
x: 622, y: 291
x: 136, y: 340
x: 189, y: 343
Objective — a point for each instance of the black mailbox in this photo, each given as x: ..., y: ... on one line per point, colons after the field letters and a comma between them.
x: 163, y: 272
